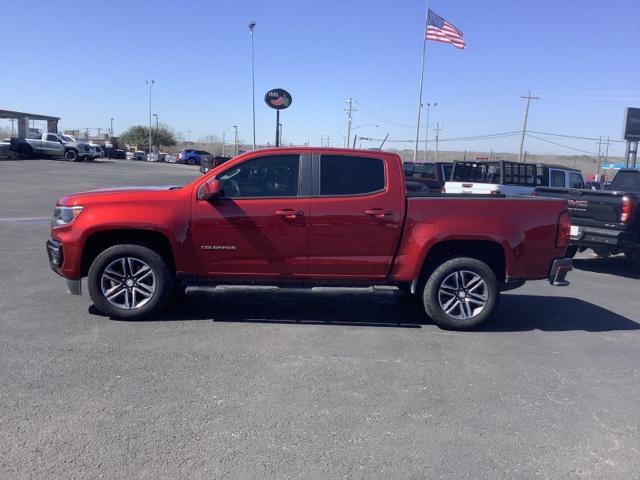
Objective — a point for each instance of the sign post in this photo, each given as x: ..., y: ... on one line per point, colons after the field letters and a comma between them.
x: 632, y: 135
x: 278, y: 99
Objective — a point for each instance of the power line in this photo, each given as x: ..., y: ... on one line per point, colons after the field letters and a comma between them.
x: 383, y: 119
x: 471, y: 138
x: 572, y: 136
x: 563, y: 146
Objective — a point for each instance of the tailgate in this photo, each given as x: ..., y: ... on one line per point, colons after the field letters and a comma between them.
x: 604, y: 207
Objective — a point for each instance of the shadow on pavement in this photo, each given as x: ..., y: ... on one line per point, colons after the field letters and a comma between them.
x: 616, y: 265
x: 390, y: 309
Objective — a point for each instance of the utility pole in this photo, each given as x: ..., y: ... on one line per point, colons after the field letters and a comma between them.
x: 252, y: 26
x: 526, y: 118
x: 437, y: 140
x: 235, y: 127
x: 188, y: 136
x: 111, y: 129
x: 150, y: 83
x: 349, y: 111
x: 223, y: 135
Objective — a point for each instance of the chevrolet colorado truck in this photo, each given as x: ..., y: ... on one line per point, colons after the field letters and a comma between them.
x: 306, y: 217
x: 607, y: 221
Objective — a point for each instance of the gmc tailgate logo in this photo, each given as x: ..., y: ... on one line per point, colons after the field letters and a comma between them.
x: 578, y: 204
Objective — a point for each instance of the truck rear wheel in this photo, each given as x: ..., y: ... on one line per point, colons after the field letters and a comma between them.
x: 130, y: 282
x: 571, y: 251
x: 634, y: 257
x: 461, y: 293
x: 25, y: 151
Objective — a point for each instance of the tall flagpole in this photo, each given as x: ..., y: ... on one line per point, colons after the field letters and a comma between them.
x: 424, y: 51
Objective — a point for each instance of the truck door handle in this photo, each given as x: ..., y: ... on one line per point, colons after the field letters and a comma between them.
x: 289, y: 213
x: 378, y: 212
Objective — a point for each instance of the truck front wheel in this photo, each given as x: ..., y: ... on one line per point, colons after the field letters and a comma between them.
x: 71, y: 155
x: 130, y: 282
x: 461, y: 293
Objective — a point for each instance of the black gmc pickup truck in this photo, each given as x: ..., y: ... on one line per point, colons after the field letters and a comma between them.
x: 608, y: 221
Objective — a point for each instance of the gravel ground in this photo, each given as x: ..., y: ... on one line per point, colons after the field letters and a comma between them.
x: 258, y: 383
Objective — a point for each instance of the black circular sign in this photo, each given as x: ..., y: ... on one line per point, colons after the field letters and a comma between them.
x: 278, y: 98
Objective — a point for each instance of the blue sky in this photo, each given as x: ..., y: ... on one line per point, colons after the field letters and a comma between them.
x: 87, y: 62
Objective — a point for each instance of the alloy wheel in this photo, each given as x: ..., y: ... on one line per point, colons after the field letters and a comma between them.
x: 128, y: 283
x: 463, y: 294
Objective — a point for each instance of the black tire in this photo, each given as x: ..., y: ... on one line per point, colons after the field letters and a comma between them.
x: 571, y: 251
x: 601, y: 252
x: 25, y: 151
x: 437, y: 290
x: 191, y: 161
x: 163, y: 281
x: 71, y: 155
x: 634, y: 257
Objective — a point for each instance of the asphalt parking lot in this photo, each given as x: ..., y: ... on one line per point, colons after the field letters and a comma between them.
x: 257, y: 383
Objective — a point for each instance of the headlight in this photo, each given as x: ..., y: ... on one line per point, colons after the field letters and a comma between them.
x: 65, y: 215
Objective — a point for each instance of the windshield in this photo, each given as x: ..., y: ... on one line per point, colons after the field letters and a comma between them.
x: 627, y: 182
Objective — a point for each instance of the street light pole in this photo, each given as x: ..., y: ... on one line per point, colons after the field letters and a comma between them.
x: 235, y: 127
x: 150, y: 83
x: 252, y: 26
x: 156, y: 115
x: 426, y: 139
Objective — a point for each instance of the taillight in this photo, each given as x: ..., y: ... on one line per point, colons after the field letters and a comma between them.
x: 564, y: 230
x: 627, y: 209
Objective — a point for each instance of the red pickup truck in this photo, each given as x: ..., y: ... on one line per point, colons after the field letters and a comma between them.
x: 307, y: 217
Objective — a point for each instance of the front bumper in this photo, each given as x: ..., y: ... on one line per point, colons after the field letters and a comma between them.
x: 55, y: 252
x: 559, y: 270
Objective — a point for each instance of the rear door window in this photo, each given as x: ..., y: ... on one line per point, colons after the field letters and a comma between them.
x: 575, y: 180
x: 556, y: 178
x: 347, y: 175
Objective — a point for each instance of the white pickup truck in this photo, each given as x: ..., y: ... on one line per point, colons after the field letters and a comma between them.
x: 46, y: 144
x: 509, y: 178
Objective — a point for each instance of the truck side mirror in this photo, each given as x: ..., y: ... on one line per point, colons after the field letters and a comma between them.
x: 209, y: 191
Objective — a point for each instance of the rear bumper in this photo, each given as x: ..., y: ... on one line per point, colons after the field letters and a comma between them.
x: 559, y: 270
x: 601, y: 237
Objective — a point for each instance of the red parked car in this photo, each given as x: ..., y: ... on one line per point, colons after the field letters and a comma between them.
x: 307, y: 216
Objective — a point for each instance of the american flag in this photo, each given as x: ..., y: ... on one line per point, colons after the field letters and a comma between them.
x: 439, y: 30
